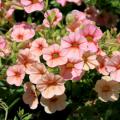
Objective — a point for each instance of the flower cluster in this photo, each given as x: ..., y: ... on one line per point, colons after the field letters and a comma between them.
x: 39, y: 48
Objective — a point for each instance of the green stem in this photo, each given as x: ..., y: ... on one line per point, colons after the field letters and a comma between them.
x: 46, y: 4
x: 13, y: 103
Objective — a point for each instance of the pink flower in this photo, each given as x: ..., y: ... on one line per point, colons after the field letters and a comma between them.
x: 37, y: 46
x: 57, y: 103
x: 102, y: 64
x: 52, y: 17
x: 30, y: 95
x: 70, y: 71
x: 74, y: 20
x: 2, y: 42
x: 74, y: 45
x: 54, y: 55
x: 9, y: 13
x: 36, y: 71
x: 32, y: 5
x: 22, y: 32
x: 93, y: 35
x: 26, y: 58
x: 1, y: 5
x: 51, y: 85
x: 113, y: 66
x: 62, y: 2
x: 88, y: 61
x: 15, y: 75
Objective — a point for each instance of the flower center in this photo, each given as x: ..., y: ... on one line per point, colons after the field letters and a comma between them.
x: 106, y: 88
x: 20, y: 37
x: 54, y: 99
x: 70, y: 65
x: 51, y: 83
x: 55, y: 55
x: 17, y: 74
x: 75, y: 44
x: 89, y: 38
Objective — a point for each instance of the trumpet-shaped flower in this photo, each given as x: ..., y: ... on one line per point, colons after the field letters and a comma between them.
x: 74, y: 45
x: 113, y: 66
x: 54, y: 55
x: 15, y: 75
x: 51, y: 85
x: 22, y: 32
x: 26, y: 58
x: 93, y: 35
x: 32, y: 5
x: 36, y: 71
x: 56, y: 103
x: 70, y: 71
x: 37, y: 46
x: 52, y: 17
x: 30, y: 95
x: 107, y: 89
x: 88, y: 61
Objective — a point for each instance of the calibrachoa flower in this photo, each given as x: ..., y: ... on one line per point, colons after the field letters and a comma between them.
x: 102, y: 64
x: 107, y: 89
x: 74, y: 45
x: 37, y: 46
x: 56, y: 103
x: 32, y: 5
x: 30, y: 95
x: 22, y: 32
x: 113, y: 66
x: 52, y: 17
x: 36, y: 71
x: 70, y: 71
x: 9, y: 13
x: 62, y: 2
x: 26, y: 58
x: 93, y: 35
x: 88, y: 61
x: 54, y: 55
x: 51, y: 85
x: 74, y: 20
x: 15, y: 75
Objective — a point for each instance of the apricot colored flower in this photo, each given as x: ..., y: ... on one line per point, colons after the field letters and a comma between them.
x: 107, y: 89
x: 74, y: 20
x: 9, y: 13
x: 113, y: 66
x: 22, y: 32
x: 26, y: 58
x: 102, y: 64
x: 54, y: 55
x: 51, y: 85
x: 30, y: 95
x: 56, y: 103
x: 15, y: 75
x: 70, y: 71
x: 88, y: 61
x: 52, y: 17
x: 36, y: 71
x: 32, y: 5
x: 37, y: 46
x: 93, y: 35
x: 74, y: 45
x: 62, y: 2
